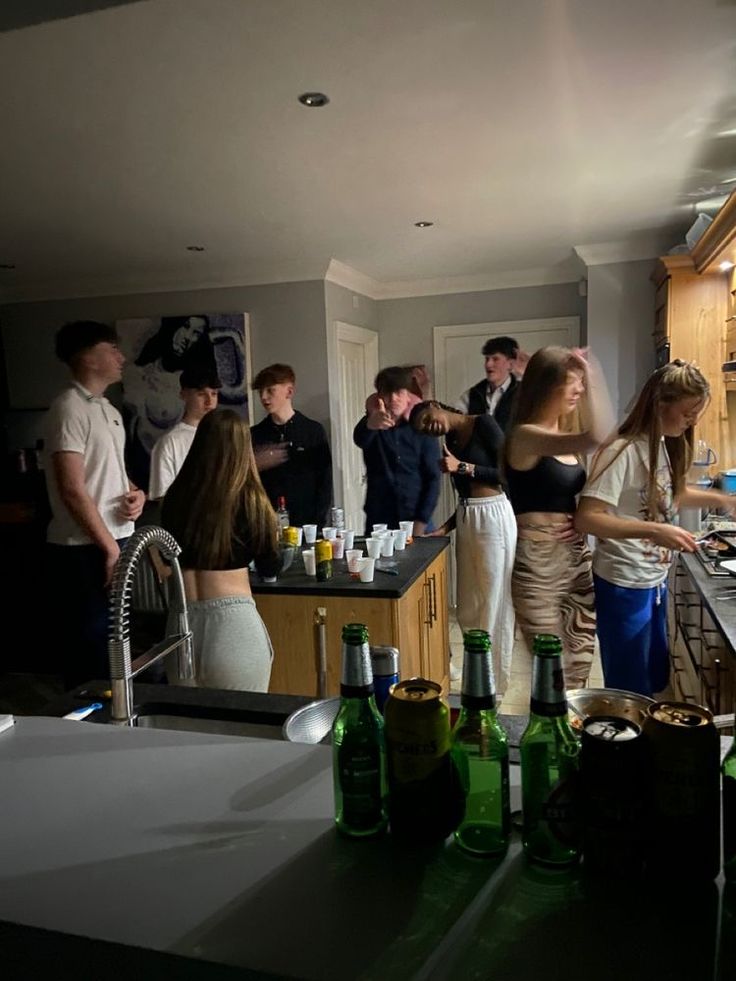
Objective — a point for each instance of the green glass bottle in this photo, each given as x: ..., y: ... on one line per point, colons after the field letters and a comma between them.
x: 358, y: 745
x: 481, y: 755
x: 729, y: 814
x: 549, y: 752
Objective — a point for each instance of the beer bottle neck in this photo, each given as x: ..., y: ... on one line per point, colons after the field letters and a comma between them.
x: 548, y: 697
x: 479, y: 703
x: 478, y: 684
x: 357, y: 672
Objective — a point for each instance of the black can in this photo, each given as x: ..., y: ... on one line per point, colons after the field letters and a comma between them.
x: 683, y: 751
x: 612, y: 795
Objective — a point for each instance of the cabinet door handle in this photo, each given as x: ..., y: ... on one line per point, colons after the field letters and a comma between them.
x: 428, y: 601
x: 433, y: 593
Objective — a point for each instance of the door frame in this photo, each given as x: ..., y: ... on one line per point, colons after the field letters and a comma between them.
x: 339, y: 330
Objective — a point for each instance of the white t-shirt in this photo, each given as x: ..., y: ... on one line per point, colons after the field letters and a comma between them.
x: 79, y: 422
x: 167, y: 457
x: 633, y: 562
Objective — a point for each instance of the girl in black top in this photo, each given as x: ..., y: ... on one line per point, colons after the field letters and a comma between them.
x: 485, y: 539
x: 552, y: 581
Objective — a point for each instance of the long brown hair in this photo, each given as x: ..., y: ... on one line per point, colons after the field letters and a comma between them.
x: 217, y: 484
x: 670, y: 383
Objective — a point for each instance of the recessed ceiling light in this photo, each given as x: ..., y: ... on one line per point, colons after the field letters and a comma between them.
x: 196, y: 248
x: 315, y: 100
x: 7, y: 265
x: 423, y: 224
x: 726, y: 265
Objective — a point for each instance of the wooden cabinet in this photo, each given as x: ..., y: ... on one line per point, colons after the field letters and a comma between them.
x: 416, y: 623
x: 690, y: 313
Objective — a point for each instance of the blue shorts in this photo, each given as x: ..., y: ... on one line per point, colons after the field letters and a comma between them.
x: 632, y: 631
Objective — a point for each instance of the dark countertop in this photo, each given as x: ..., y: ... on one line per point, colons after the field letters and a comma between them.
x: 409, y: 564
x: 713, y: 591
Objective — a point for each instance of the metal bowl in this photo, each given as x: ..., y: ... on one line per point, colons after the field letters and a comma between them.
x: 312, y: 723
x: 583, y: 702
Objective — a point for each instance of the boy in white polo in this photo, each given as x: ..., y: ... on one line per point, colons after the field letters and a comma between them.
x: 93, y: 502
x: 199, y: 392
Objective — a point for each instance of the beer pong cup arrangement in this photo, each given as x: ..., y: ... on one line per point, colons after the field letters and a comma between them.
x: 408, y: 527
x: 380, y: 527
x: 373, y: 547
x: 310, y: 534
x: 329, y: 534
x: 366, y: 569
x: 338, y: 548
x: 353, y: 555
x: 310, y: 565
x: 399, y: 540
x: 387, y: 545
x: 348, y: 535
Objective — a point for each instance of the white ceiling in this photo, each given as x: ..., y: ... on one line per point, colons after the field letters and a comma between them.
x: 522, y: 128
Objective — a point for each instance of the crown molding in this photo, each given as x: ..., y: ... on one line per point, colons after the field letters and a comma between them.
x: 602, y: 253
x: 353, y: 279
x: 719, y: 238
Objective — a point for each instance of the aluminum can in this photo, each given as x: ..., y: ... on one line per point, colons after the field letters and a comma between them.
x: 683, y: 751
x: 613, y: 781
x: 290, y: 536
x: 323, y: 560
x: 337, y: 518
x: 425, y: 800
x: 385, y: 661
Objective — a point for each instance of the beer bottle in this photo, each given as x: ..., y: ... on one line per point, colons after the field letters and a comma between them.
x: 549, y: 763
x: 729, y: 815
x: 358, y: 747
x: 282, y: 515
x: 481, y: 755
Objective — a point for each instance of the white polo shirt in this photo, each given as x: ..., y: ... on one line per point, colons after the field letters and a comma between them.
x: 79, y: 422
x: 168, y: 455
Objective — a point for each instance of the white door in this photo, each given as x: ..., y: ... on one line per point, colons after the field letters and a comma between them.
x: 352, y: 366
x: 458, y: 364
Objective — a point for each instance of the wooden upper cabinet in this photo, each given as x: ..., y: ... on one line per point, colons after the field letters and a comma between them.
x: 690, y: 312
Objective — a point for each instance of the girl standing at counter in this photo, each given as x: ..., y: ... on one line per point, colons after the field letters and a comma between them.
x: 218, y: 512
x: 552, y: 581
x: 636, y: 486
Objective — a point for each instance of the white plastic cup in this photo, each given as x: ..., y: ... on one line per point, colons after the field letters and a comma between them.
x: 373, y: 547
x: 310, y: 563
x: 380, y: 527
x: 353, y: 555
x: 310, y: 534
x: 329, y: 534
x: 299, y: 537
x: 408, y: 527
x: 338, y: 548
x: 367, y: 568
x: 400, y: 540
x: 348, y: 536
x: 387, y: 546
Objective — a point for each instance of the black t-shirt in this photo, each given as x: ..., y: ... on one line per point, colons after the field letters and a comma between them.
x: 482, y: 450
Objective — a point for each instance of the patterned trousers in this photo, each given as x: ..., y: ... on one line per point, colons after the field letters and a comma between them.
x: 552, y: 587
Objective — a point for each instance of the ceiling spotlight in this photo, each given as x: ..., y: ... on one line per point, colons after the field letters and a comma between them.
x: 7, y: 265
x: 315, y: 100
x: 423, y: 224
x: 196, y: 248
x: 726, y: 265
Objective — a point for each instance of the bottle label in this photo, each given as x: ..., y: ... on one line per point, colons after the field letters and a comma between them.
x: 560, y: 811
x: 548, y: 687
x: 360, y: 782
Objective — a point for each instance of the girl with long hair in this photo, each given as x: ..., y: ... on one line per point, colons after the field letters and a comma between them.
x: 552, y: 582
x: 485, y: 530
x: 636, y: 486
x: 218, y: 512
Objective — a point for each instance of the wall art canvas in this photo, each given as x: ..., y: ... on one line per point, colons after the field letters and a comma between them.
x: 157, y: 349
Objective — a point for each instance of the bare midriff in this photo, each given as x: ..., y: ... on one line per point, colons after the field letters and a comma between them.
x: 542, y: 526
x: 483, y: 490
x: 207, y: 584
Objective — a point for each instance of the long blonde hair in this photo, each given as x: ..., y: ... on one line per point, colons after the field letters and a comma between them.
x: 670, y: 383
x: 218, y: 484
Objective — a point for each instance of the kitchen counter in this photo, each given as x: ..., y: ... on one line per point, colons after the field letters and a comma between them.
x: 174, y: 851
x: 712, y: 590
x: 409, y: 565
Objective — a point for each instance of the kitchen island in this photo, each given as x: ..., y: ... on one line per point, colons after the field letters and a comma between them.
x: 182, y: 855
x: 408, y: 610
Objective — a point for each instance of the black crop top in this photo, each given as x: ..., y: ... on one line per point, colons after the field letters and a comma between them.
x: 482, y: 450
x: 548, y: 486
x: 268, y: 564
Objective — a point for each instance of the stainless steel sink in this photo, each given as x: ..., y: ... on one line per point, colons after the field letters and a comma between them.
x: 219, y: 727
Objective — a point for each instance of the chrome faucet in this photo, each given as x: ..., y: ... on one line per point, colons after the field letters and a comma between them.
x: 122, y: 669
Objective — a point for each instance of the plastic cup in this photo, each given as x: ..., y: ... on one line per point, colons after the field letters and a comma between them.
x: 310, y: 534
x: 380, y: 527
x: 329, y: 534
x: 408, y: 527
x: 373, y: 547
x: 348, y: 536
x: 338, y: 548
x: 367, y: 568
x: 310, y: 563
x: 354, y: 555
x: 400, y: 540
x: 387, y: 546
x: 299, y: 537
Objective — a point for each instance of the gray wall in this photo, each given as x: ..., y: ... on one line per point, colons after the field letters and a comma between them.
x: 620, y: 325
x: 350, y: 307
x: 405, y: 325
x: 287, y: 323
